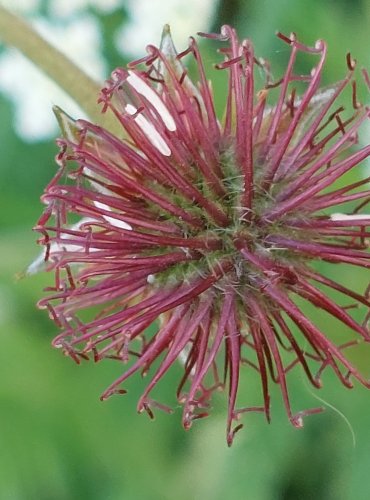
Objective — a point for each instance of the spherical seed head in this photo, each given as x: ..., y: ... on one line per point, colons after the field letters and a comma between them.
x: 210, y: 227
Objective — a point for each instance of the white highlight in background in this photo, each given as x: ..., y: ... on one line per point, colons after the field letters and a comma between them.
x: 186, y: 17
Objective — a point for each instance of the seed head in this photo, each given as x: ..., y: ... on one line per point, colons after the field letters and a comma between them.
x: 210, y: 229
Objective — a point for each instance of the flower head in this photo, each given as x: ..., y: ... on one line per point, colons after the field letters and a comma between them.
x: 210, y: 228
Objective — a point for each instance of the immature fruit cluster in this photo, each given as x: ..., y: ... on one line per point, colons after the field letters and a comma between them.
x: 211, y: 227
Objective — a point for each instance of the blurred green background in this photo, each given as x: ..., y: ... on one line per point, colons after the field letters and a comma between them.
x: 59, y: 442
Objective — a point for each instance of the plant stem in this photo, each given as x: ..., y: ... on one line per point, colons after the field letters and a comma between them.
x: 67, y: 75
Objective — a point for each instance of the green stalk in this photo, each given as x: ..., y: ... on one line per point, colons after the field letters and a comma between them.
x: 67, y: 75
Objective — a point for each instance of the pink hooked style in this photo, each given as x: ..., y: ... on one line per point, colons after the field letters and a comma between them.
x: 217, y: 233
